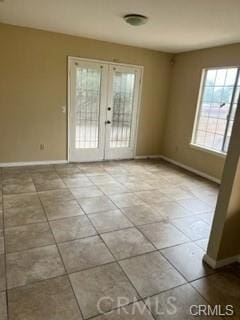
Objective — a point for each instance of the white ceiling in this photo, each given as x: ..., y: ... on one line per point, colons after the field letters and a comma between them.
x: 174, y: 25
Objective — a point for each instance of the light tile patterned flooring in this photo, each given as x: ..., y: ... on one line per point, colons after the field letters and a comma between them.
x: 71, y: 234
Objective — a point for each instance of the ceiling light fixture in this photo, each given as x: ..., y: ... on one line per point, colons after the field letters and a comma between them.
x: 135, y: 19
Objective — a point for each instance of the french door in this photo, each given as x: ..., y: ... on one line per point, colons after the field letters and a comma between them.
x: 104, y: 99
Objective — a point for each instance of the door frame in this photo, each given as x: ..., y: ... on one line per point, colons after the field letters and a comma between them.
x: 139, y: 102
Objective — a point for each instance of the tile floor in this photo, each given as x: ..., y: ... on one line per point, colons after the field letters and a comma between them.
x: 135, y: 230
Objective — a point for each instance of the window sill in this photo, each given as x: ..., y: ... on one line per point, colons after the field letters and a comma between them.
x: 210, y: 151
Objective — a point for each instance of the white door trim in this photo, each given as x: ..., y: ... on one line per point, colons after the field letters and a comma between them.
x: 139, y: 104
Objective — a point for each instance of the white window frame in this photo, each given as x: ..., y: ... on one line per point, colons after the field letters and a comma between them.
x: 197, y: 114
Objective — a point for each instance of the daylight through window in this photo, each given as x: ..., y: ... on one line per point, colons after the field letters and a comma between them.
x: 218, y: 103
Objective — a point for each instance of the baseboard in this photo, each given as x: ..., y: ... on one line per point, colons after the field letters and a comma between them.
x: 157, y: 156
x: 215, y: 264
x: 199, y: 173
x: 31, y: 163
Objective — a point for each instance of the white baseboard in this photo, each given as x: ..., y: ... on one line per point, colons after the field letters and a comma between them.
x: 215, y: 264
x: 31, y: 163
x: 157, y: 156
x: 199, y: 173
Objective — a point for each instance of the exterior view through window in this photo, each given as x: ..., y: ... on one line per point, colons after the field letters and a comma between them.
x: 123, y: 95
x: 217, y: 107
x: 88, y: 91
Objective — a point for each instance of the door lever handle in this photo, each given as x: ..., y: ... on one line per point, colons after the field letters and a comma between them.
x: 107, y: 122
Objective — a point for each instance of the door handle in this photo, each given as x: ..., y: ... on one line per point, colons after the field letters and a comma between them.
x: 107, y: 122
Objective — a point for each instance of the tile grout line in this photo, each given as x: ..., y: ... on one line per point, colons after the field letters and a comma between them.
x: 61, y: 258
x: 133, y: 257
x: 100, y: 212
x: 56, y: 243
x: 161, y: 253
x: 117, y: 262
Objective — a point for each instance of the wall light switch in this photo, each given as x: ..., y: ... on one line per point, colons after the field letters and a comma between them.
x: 63, y: 109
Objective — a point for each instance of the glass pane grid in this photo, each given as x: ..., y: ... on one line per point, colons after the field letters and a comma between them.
x: 88, y: 87
x: 217, y: 104
x: 123, y: 94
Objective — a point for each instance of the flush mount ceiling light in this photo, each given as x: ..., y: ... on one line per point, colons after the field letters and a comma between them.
x: 135, y: 19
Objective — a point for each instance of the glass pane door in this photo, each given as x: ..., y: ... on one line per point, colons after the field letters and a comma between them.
x: 122, y: 112
x: 88, y: 100
x: 104, y: 100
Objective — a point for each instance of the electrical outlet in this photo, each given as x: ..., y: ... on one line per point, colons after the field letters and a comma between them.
x: 42, y: 146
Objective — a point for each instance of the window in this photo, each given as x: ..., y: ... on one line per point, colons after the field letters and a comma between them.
x: 123, y: 99
x: 217, y: 107
x: 88, y: 90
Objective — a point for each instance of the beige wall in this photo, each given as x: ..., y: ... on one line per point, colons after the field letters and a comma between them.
x: 184, y: 88
x: 33, y: 86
